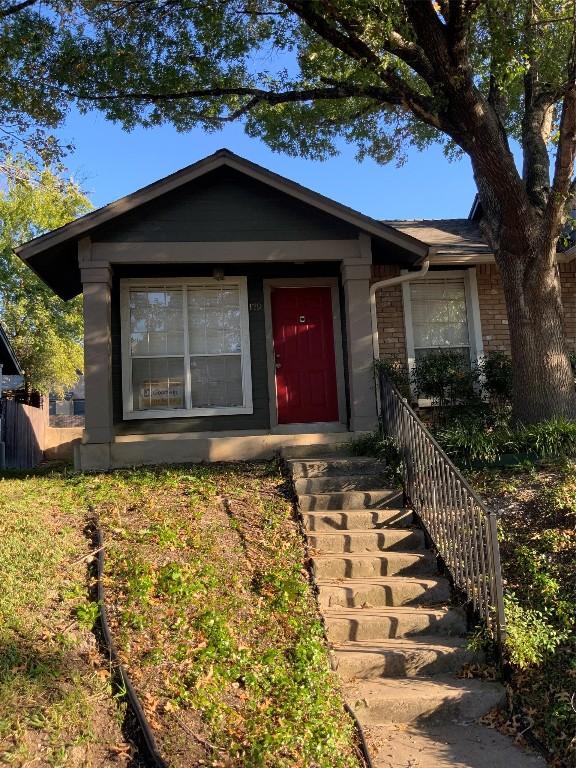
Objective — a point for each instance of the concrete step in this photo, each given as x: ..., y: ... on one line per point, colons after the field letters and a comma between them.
x: 357, y: 519
x: 373, y: 593
x: 428, y: 700
x: 390, y: 497
x: 402, y: 657
x: 449, y: 745
x: 372, y: 565
x: 308, y: 485
x: 329, y: 445
x: 385, y: 539
x: 342, y: 466
x: 344, y: 624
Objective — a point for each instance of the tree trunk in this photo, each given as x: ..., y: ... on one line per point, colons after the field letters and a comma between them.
x: 542, y: 378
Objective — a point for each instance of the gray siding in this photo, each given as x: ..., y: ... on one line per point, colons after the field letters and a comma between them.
x: 224, y: 206
x: 260, y: 418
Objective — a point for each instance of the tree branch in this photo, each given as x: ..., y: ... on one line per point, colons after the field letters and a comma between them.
x: 536, y: 123
x: 564, y: 164
x: 352, y: 45
x: 12, y: 9
x: 566, y: 152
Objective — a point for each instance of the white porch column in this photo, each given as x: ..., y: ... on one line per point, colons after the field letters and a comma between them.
x: 97, y: 282
x: 356, y: 282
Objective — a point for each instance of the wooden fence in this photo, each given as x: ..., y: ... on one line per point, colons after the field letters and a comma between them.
x: 23, y: 430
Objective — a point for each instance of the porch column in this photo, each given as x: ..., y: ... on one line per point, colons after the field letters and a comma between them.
x: 96, y: 283
x: 356, y: 282
x: 2, y: 446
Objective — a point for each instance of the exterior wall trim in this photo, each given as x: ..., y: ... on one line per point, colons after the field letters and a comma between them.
x: 304, y: 282
x: 226, y: 251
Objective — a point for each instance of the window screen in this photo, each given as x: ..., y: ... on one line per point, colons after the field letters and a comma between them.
x: 439, y: 315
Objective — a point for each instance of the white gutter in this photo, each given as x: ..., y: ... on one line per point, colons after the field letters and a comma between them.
x: 406, y: 278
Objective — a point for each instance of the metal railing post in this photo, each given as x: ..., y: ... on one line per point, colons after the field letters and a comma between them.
x: 463, y: 531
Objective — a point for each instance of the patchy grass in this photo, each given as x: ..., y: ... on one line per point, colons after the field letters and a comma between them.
x: 56, y: 705
x: 215, y: 618
x: 537, y: 505
x: 210, y: 606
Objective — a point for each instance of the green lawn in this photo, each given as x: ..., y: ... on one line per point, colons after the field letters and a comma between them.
x: 210, y: 606
x: 56, y: 705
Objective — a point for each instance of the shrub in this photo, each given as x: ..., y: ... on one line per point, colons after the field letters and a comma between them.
x: 529, y: 635
x: 471, y: 440
x: 445, y: 377
x: 397, y: 372
x: 495, y: 372
x: 556, y: 437
x: 485, y: 437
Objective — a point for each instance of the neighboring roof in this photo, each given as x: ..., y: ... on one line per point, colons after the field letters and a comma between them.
x: 476, y: 209
x: 58, y: 248
x: 448, y: 237
x: 8, y: 359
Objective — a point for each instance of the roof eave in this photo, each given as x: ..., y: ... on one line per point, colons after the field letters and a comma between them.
x: 11, y: 354
x: 90, y: 221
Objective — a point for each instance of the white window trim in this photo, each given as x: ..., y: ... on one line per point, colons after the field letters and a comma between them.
x: 157, y: 283
x: 476, y: 345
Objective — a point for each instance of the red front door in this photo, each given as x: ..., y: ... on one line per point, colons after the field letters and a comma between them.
x: 304, y: 355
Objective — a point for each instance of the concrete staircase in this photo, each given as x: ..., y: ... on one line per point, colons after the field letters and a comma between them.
x: 396, y: 641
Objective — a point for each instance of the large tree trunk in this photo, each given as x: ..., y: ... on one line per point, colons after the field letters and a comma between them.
x: 542, y: 380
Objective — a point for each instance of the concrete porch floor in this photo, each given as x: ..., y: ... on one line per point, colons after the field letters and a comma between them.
x: 173, y: 448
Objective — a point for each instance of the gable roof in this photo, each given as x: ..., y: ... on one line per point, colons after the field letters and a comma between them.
x: 8, y: 359
x: 55, y: 248
x: 449, y: 237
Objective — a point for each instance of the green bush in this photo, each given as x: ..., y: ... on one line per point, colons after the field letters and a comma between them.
x: 472, y: 440
x: 484, y: 437
x: 397, y: 372
x: 529, y: 634
x: 446, y: 378
x: 556, y: 437
x: 495, y: 372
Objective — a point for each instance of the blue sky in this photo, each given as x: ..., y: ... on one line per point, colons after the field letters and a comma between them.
x: 110, y: 163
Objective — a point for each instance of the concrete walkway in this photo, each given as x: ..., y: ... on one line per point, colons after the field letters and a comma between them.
x: 397, y: 643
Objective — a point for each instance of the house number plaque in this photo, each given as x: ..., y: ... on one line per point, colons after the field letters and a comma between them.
x: 255, y: 307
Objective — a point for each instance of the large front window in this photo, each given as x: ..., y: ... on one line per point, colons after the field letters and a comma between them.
x: 185, y: 348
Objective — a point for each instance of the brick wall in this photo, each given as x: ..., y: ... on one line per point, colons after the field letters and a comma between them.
x: 390, y: 314
x: 493, y: 308
x: 568, y: 283
x: 493, y: 317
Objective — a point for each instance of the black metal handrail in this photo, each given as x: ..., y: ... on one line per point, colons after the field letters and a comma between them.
x: 462, y: 529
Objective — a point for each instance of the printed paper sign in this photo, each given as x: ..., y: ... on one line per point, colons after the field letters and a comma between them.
x: 160, y: 394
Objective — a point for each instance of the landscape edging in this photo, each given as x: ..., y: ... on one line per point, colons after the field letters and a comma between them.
x: 156, y: 759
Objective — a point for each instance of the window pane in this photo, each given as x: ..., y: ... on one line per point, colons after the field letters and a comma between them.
x: 214, y: 320
x: 439, y: 313
x: 216, y: 381
x: 156, y: 322
x: 158, y: 383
